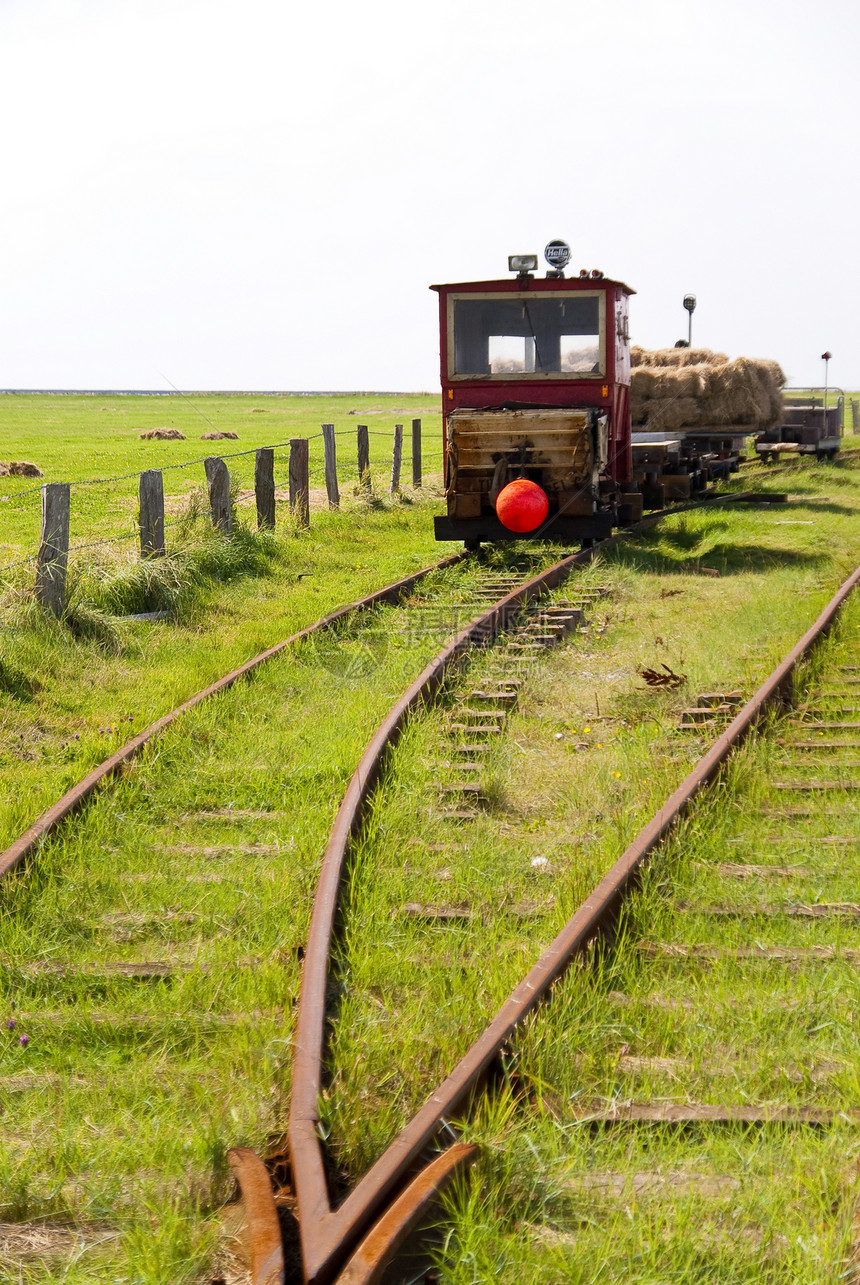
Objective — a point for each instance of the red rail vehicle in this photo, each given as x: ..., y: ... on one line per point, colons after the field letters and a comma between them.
x: 536, y: 386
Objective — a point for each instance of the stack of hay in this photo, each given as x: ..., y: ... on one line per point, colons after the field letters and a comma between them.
x: 674, y: 388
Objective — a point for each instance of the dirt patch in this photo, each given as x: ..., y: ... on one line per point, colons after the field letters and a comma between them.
x: 217, y: 436
x: 162, y: 435
x: 231, y: 1256
x: 280, y: 494
x: 22, y: 1241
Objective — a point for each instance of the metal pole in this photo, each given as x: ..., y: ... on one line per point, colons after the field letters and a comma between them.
x: 690, y: 304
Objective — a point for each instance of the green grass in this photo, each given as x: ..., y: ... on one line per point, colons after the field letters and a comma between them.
x: 93, y: 442
x: 70, y: 691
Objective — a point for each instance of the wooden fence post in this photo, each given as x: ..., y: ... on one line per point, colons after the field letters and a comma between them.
x: 218, y: 480
x: 855, y: 415
x: 330, y: 466
x: 151, y: 495
x: 300, y: 480
x: 396, y: 457
x: 416, y: 452
x: 363, y: 457
x: 264, y: 488
x: 52, y: 559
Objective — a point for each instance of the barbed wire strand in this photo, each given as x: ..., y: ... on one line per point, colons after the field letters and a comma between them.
x: 170, y: 523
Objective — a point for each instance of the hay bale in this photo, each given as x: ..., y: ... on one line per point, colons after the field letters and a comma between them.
x: 774, y: 371
x: 688, y: 381
x: 666, y: 381
x: 741, y: 392
x: 700, y: 357
x: 216, y: 437
x: 735, y: 395
x: 673, y: 388
x: 162, y: 435
x: 23, y: 468
x: 638, y: 410
x: 642, y: 381
x: 678, y: 357
x: 667, y: 414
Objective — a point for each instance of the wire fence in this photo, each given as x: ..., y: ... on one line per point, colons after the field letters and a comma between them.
x: 109, y: 508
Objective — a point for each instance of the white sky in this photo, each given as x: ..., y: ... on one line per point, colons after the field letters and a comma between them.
x: 254, y: 194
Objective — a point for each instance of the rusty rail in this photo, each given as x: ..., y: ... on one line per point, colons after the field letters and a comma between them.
x: 328, y: 1236
x: 261, y: 1217
x: 73, y: 799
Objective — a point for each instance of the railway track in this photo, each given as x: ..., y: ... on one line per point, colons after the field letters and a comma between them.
x: 27, y: 843
x: 148, y: 964
x: 352, y: 1237
x: 227, y: 972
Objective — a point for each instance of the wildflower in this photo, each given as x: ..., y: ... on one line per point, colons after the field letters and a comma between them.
x: 10, y: 1025
x: 586, y: 729
x: 538, y: 862
x: 23, y: 1040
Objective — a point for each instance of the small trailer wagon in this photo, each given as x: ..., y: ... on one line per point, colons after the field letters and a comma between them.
x: 811, y: 425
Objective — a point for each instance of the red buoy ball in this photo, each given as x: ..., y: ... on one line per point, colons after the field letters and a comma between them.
x: 522, y: 505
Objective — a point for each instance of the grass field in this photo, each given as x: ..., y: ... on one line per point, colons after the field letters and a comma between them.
x: 93, y: 442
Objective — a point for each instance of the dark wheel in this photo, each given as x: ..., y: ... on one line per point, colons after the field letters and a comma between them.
x: 472, y: 546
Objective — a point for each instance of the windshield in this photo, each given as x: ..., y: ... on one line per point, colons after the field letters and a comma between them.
x: 529, y: 335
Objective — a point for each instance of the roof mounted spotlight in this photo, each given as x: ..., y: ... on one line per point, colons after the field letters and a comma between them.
x: 522, y: 264
x: 557, y: 255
